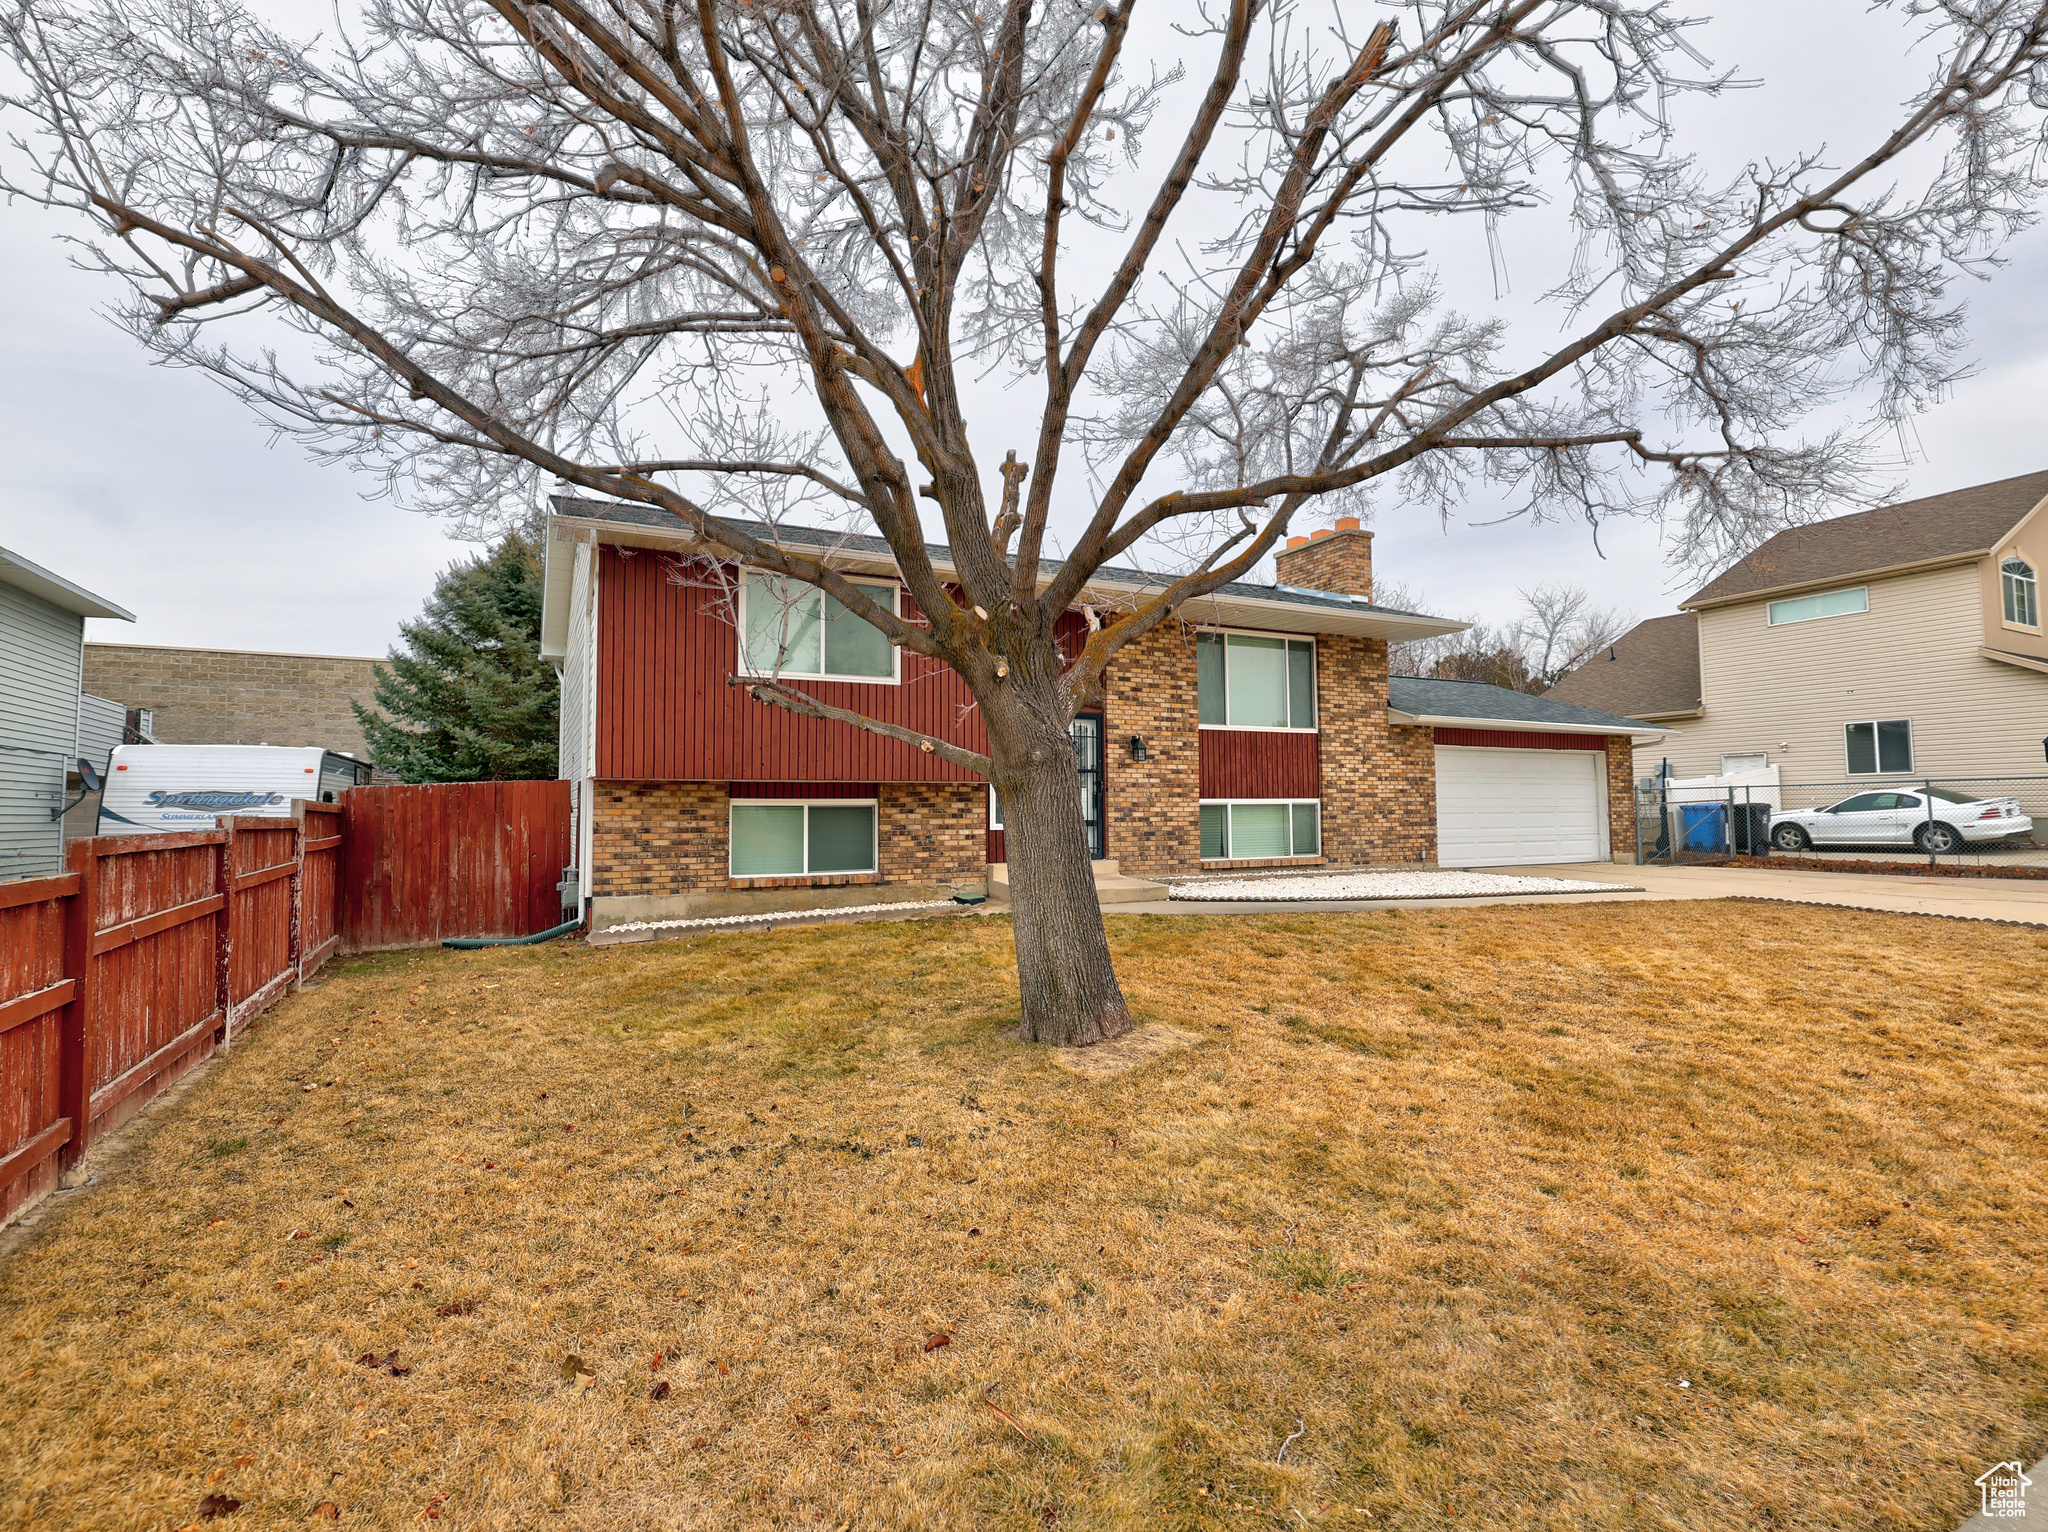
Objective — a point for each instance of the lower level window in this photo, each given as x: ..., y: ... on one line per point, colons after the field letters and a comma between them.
x: 1239, y: 831
x: 792, y: 840
x: 1883, y: 745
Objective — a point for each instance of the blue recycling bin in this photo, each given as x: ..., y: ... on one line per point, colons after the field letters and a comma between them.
x: 1704, y: 826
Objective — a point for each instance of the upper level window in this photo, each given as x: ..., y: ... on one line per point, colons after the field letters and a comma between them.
x: 791, y: 629
x: 1883, y: 745
x: 2022, y: 596
x: 1250, y: 681
x: 1832, y: 603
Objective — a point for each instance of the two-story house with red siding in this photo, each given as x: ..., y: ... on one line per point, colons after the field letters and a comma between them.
x: 1259, y: 732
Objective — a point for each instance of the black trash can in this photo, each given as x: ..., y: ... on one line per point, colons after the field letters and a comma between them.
x: 1749, y: 829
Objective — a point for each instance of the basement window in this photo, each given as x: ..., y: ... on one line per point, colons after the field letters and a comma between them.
x: 1260, y: 829
x: 1255, y: 681
x: 796, y: 631
x: 781, y: 839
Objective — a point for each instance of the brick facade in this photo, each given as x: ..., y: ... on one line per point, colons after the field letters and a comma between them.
x: 1154, y: 805
x: 1379, y: 781
x: 933, y: 832
x: 1339, y: 560
x: 227, y: 696
x: 651, y: 838
x: 663, y: 839
x: 1621, y: 798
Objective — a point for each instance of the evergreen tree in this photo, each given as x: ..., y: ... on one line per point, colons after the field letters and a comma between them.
x: 472, y: 700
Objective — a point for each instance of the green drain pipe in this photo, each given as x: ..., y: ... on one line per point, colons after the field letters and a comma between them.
x: 471, y: 943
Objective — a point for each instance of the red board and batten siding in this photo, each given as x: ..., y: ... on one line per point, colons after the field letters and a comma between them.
x: 1515, y: 739
x: 666, y: 714
x: 1248, y: 763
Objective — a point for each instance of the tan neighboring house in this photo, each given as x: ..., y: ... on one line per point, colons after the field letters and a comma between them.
x: 237, y: 697
x: 1901, y: 642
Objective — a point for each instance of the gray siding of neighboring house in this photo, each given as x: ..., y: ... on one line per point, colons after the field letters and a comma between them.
x: 41, y: 657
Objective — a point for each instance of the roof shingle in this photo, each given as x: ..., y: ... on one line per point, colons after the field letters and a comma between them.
x: 1653, y: 670
x: 1959, y: 523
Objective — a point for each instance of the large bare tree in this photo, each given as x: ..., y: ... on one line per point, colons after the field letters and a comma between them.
x: 568, y: 238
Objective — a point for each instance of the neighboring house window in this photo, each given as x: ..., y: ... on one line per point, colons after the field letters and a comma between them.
x: 995, y: 808
x: 1242, y: 830
x: 792, y: 629
x: 780, y: 839
x: 2022, y: 597
x: 1879, y: 747
x: 1753, y: 760
x: 1251, y: 681
x: 1833, y: 603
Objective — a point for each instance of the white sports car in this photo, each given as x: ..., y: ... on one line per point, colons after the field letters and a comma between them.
x: 1936, y: 819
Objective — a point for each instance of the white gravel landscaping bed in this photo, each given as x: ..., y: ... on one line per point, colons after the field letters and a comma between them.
x: 1385, y: 885
x: 747, y: 920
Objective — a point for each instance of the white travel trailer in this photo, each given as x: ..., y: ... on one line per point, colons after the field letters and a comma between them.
x: 154, y: 788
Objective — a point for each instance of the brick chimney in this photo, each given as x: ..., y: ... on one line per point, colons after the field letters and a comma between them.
x: 1338, y: 560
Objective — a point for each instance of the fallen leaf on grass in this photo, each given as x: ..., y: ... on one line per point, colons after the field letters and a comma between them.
x: 326, y: 1510
x: 299, y: 1234
x: 216, y: 1223
x: 389, y: 1362
x: 218, y: 1505
x: 244, y: 1462
x: 936, y: 1341
x: 455, y: 1310
x: 661, y: 1390
x: 724, y: 1371
x: 571, y: 1365
x: 654, y: 1362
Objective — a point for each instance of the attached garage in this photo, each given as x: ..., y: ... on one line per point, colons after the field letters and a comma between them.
x: 1509, y: 808
x: 1522, y: 780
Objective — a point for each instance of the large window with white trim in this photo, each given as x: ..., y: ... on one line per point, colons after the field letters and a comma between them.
x: 2022, y: 594
x: 779, y: 838
x: 1255, y: 681
x: 795, y: 630
x: 1241, y: 831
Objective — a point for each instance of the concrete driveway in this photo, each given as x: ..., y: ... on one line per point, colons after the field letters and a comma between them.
x: 2010, y: 899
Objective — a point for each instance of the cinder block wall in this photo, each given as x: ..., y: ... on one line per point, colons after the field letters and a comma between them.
x: 228, y: 696
x: 1154, y: 805
x: 1379, y: 781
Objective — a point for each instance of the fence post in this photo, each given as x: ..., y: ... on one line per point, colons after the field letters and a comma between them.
x: 1927, y: 793
x: 224, y: 935
x: 75, y: 1050
x: 296, y: 953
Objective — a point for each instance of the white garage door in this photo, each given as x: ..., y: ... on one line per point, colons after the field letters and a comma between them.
x: 1505, y: 808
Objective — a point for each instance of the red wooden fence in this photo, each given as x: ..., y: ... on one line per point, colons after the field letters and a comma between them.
x: 150, y: 951
x: 453, y: 859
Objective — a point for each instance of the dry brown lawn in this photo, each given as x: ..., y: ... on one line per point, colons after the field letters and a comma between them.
x: 1623, y: 1216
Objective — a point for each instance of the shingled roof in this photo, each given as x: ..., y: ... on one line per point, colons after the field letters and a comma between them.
x: 1959, y: 524
x: 1652, y: 671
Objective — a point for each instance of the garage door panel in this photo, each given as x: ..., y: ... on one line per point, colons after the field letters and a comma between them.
x: 1502, y: 808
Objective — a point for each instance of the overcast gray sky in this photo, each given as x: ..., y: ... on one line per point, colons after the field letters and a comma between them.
x: 156, y: 490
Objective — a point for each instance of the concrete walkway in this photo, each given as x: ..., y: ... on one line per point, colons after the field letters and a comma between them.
x: 2010, y: 899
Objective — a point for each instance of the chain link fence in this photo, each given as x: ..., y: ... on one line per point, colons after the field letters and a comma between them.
x: 1987, y: 823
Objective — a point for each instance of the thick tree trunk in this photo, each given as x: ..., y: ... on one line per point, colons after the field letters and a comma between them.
x: 1064, y: 975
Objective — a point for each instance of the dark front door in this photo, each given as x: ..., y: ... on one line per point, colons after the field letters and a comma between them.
x: 1087, y: 734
